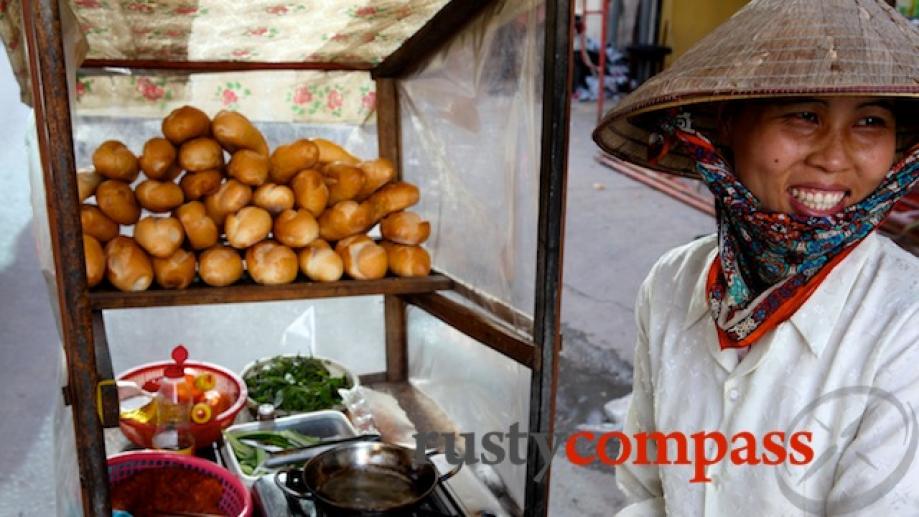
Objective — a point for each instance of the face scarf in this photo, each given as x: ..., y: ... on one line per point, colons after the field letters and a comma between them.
x: 769, y: 263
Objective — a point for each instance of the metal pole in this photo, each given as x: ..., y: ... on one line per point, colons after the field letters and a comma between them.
x: 47, y: 62
x: 550, y: 239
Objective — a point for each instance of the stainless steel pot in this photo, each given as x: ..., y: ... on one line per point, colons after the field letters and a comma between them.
x: 366, y: 478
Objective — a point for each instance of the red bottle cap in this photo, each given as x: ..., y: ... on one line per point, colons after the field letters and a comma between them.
x: 177, y: 370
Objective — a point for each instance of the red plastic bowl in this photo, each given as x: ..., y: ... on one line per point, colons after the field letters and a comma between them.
x: 235, y: 500
x: 205, y: 434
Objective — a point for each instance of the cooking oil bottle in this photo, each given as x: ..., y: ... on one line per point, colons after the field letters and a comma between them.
x: 173, y: 431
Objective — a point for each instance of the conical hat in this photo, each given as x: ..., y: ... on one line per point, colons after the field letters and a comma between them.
x: 774, y: 48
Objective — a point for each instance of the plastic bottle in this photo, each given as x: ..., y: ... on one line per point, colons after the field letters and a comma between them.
x: 172, y: 408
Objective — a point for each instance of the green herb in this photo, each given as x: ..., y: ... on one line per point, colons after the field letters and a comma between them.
x: 295, y: 384
x: 251, y: 457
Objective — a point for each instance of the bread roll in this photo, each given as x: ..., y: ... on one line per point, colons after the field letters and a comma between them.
x: 185, y: 123
x: 331, y: 152
x: 405, y: 228
x: 159, y: 236
x: 115, y: 161
x: 176, y: 271
x: 249, y: 167
x: 196, y: 185
x: 347, y: 241
x: 319, y: 263
x: 97, y: 224
x: 200, y: 229
x: 87, y: 181
x: 247, y: 226
x: 116, y: 200
x: 95, y: 260
x: 407, y: 261
x: 127, y: 266
x: 201, y: 154
x: 274, y: 198
x: 376, y: 174
x: 296, y: 228
x: 344, y: 219
x: 234, y: 132
x: 270, y: 263
x: 344, y: 181
x: 288, y: 160
x: 220, y: 266
x: 158, y: 158
x: 392, y: 198
x: 229, y: 198
x: 159, y: 196
x: 363, y: 259
x: 310, y: 191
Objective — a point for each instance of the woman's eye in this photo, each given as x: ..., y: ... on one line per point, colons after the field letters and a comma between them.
x: 872, y: 122
x: 807, y: 116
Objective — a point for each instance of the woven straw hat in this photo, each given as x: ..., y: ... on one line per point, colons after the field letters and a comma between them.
x: 774, y: 48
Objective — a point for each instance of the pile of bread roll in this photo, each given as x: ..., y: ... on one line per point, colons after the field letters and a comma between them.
x: 215, y: 202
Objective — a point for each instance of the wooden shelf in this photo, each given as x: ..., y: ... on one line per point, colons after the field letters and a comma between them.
x: 248, y: 291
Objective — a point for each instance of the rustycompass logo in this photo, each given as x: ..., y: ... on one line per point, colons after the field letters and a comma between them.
x: 881, y: 476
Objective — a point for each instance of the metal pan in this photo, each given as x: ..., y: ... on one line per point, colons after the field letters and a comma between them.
x: 366, y: 479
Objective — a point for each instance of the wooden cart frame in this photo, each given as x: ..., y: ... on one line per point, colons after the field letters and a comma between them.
x: 94, y: 403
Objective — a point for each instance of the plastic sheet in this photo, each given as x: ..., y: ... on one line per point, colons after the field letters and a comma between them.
x: 348, y: 330
x: 66, y: 472
x: 481, y: 390
x: 471, y: 125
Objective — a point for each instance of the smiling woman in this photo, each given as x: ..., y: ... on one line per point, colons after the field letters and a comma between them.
x: 812, y: 156
x: 799, y: 116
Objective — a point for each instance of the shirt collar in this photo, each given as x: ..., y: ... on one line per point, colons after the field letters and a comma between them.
x: 698, y: 303
x: 813, y: 320
x: 816, y: 319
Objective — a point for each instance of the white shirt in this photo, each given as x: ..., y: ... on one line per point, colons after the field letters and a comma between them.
x: 858, y: 331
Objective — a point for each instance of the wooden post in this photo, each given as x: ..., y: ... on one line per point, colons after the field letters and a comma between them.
x: 42, y: 25
x: 552, y: 180
x: 389, y: 137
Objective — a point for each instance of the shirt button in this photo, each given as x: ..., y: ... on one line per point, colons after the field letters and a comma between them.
x: 734, y: 394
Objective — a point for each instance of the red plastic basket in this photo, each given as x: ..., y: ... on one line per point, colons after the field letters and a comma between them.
x: 205, y: 434
x: 235, y: 500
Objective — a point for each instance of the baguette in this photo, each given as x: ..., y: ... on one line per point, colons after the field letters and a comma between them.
x: 320, y: 263
x: 127, y: 266
x: 176, y: 271
x: 287, y: 160
x: 220, y: 266
x: 115, y: 161
x: 95, y: 260
x: 159, y: 196
x: 184, y: 124
x: 270, y: 263
x: 274, y: 198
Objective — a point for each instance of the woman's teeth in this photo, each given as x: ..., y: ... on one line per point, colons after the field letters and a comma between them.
x: 819, y: 201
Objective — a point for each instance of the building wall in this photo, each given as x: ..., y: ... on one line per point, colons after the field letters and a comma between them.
x: 685, y: 22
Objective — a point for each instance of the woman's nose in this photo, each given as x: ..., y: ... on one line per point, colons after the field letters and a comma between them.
x: 830, y: 153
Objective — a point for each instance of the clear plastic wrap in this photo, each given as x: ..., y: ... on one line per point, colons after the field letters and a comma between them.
x: 471, y: 125
x: 348, y: 330
x: 481, y: 390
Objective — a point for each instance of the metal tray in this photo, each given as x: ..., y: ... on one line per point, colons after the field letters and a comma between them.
x: 322, y: 424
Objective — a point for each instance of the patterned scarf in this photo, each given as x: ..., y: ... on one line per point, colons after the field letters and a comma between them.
x: 787, y: 254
